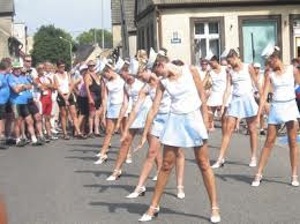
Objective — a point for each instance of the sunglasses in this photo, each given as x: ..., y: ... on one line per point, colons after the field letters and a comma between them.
x: 28, y: 60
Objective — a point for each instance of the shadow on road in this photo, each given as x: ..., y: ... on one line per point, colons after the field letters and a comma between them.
x: 99, y: 173
x: 139, y: 209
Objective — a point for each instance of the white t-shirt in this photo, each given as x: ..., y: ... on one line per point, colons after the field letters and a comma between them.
x: 115, y: 90
x: 183, y: 93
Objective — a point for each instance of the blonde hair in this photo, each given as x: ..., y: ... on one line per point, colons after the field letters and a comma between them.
x: 142, y: 55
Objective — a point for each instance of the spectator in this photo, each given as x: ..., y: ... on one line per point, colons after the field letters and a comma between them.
x: 46, y: 86
x: 4, y: 97
x: 19, y: 101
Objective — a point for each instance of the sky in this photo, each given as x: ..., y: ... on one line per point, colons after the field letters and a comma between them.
x: 74, y: 16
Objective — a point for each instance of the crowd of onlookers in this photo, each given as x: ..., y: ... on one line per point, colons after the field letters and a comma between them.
x: 37, y: 104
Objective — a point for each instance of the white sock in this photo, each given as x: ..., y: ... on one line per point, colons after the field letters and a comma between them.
x: 33, y: 138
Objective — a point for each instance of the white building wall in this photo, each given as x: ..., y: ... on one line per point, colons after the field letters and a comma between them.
x: 178, y: 20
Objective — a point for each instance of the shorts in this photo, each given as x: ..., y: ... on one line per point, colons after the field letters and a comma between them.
x: 61, y: 102
x: 46, y: 105
x: 32, y: 107
x: 8, y: 108
x: 83, y: 105
x: 2, y: 111
x: 20, y: 110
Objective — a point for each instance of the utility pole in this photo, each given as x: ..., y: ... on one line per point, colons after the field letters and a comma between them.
x: 125, y: 41
x: 102, y: 25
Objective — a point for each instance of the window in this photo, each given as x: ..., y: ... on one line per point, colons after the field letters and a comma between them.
x: 256, y: 36
x: 255, y: 33
x: 206, y: 38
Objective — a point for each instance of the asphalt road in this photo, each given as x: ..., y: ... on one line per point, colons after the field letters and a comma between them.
x: 59, y: 184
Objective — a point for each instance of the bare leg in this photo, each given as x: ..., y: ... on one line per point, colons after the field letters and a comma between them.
x: 251, y: 123
x: 202, y: 158
x: 292, y: 128
x: 154, y: 149
x: 63, y: 117
x: 73, y: 115
x: 180, y: 165
x: 169, y: 158
x: 230, y: 124
x: 125, y: 145
x: 110, y: 127
x: 268, y: 146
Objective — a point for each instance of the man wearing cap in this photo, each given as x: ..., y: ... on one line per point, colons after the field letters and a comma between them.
x: 4, y: 97
x: 19, y: 101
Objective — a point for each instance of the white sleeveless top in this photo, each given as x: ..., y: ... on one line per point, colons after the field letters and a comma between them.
x: 241, y: 81
x: 115, y: 90
x: 183, y: 93
x: 134, y: 89
x: 63, y: 83
x: 219, y: 80
x: 165, y: 104
x: 283, y: 85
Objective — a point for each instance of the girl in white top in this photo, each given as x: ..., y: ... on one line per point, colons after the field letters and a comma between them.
x: 66, y: 100
x: 185, y: 127
x: 133, y: 86
x: 114, y: 94
x: 283, y: 110
x: 241, y: 77
x: 218, y: 77
x: 154, y: 134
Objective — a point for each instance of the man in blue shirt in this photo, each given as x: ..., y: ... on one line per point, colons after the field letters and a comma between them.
x: 19, y: 101
x: 4, y: 97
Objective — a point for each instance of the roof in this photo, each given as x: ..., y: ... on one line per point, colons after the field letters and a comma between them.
x: 84, y: 51
x: 164, y: 2
x: 7, y: 6
x: 129, y: 10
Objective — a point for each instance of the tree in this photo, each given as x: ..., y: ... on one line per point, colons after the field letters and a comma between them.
x: 48, y: 46
x: 95, y: 36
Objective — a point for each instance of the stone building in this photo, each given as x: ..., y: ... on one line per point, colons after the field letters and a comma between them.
x: 129, y: 12
x: 6, y: 24
x: 189, y: 29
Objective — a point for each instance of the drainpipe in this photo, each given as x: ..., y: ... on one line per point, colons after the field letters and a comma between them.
x: 158, y: 28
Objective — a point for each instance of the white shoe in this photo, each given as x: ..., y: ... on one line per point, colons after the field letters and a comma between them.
x: 257, y: 180
x: 101, y: 160
x: 128, y: 160
x: 253, y: 162
x: 180, y: 194
x: 148, y: 218
x: 215, y: 218
x: 54, y: 131
x: 154, y: 178
x: 116, y: 175
x: 295, y: 182
x: 219, y: 163
x: 98, y: 155
x: 141, y: 192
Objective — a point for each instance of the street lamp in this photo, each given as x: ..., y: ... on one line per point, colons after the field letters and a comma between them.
x: 70, y: 45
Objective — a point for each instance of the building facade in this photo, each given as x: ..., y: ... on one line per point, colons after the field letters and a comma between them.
x: 189, y: 29
x: 119, y: 38
x: 6, y: 22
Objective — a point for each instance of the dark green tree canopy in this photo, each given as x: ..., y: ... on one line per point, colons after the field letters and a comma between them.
x: 95, y: 36
x: 48, y: 46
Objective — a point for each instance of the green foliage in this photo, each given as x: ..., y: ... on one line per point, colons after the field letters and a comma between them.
x: 49, y: 47
x: 95, y: 35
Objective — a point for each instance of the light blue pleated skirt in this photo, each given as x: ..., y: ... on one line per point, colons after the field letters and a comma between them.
x: 282, y: 112
x: 141, y: 117
x: 113, y: 111
x: 158, y: 124
x: 242, y: 107
x: 184, y: 130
